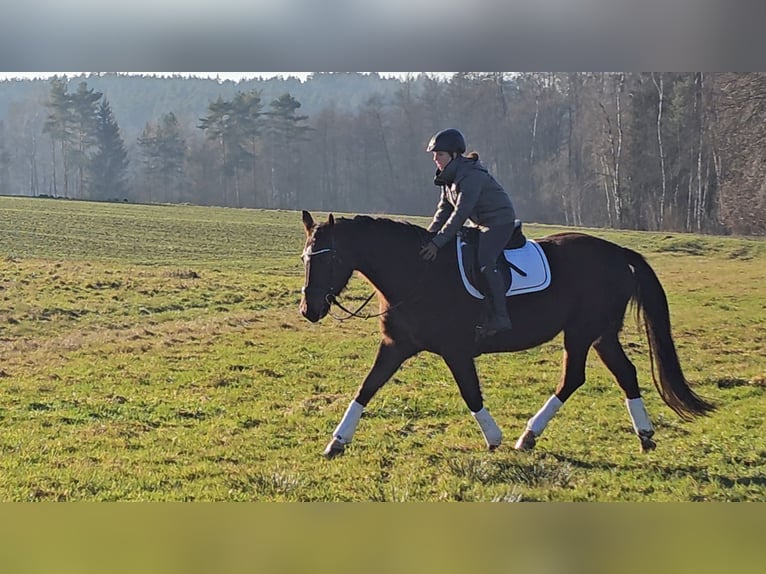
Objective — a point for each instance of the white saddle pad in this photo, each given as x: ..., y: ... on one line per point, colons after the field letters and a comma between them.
x: 530, y: 259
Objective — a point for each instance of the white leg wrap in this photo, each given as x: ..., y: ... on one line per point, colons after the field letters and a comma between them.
x: 541, y: 419
x: 492, y: 433
x: 638, y: 415
x: 345, y: 430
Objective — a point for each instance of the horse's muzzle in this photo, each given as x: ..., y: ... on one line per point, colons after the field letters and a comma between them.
x: 314, y: 312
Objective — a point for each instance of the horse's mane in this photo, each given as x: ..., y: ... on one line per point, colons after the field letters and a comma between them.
x: 388, y: 228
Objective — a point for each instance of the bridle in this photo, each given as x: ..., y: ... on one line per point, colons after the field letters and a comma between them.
x: 331, y: 298
x: 329, y: 294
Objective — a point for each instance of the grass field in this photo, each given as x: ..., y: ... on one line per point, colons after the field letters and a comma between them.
x: 157, y: 353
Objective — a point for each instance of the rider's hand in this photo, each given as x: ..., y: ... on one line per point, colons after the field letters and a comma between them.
x: 429, y: 251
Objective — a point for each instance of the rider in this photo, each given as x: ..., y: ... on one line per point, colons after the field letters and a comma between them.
x: 469, y: 193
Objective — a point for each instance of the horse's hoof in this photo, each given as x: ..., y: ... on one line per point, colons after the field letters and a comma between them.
x: 526, y: 441
x: 334, y: 448
x: 492, y: 447
x: 647, y: 444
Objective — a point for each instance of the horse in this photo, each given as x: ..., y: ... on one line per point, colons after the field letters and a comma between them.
x: 424, y: 306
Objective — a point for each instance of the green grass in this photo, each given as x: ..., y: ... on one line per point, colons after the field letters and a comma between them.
x: 157, y: 353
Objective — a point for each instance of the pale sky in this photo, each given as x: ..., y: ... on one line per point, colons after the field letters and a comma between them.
x: 223, y: 75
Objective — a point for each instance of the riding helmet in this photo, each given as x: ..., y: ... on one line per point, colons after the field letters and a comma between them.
x: 449, y: 140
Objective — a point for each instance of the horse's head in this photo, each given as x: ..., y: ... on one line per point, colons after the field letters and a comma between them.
x: 328, y: 268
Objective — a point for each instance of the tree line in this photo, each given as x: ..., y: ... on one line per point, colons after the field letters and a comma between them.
x: 655, y: 151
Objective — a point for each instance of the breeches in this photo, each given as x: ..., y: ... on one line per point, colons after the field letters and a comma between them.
x: 492, y: 240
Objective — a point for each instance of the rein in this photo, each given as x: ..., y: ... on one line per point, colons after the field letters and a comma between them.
x: 332, y: 299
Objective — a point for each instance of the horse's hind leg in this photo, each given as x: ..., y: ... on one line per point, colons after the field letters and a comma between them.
x: 390, y: 357
x: 611, y: 352
x: 575, y: 353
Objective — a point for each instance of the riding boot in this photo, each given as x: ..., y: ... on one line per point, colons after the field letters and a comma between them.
x: 497, y: 316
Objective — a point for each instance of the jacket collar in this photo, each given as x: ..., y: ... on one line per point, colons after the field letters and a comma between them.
x: 446, y: 176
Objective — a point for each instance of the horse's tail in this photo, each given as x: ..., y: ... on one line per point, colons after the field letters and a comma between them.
x: 652, y: 307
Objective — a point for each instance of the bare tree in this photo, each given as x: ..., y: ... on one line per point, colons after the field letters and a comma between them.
x: 610, y: 154
x: 660, y: 85
x: 742, y: 127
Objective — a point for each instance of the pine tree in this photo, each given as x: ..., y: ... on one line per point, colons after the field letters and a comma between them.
x: 285, y: 129
x: 247, y: 109
x: 219, y: 126
x: 163, y: 151
x: 59, y: 125
x: 109, y: 164
x: 85, y: 103
x: 235, y: 128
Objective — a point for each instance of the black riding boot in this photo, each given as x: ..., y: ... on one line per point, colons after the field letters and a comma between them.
x: 497, y: 317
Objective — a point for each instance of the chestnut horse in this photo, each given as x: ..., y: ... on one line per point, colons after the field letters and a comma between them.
x: 425, y: 307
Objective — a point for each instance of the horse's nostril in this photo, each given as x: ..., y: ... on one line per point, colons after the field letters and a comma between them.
x: 311, y: 313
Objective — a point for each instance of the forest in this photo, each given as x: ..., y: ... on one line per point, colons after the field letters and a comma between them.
x: 627, y: 150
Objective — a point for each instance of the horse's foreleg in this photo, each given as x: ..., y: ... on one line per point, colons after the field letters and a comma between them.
x: 611, y: 352
x: 573, y: 377
x: 463, y: 369
x: 390, y: 357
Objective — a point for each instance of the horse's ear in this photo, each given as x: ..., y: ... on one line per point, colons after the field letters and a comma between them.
x: 308, y: 222
x: 331, y: 220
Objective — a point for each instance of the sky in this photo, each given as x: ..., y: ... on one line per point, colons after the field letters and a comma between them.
x: 560, y: 35
x: 235, y: 76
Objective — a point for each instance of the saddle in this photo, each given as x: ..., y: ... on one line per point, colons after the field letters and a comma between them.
x: 522, y: 263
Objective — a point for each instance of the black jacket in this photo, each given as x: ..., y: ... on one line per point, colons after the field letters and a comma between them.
x: 469, y: 194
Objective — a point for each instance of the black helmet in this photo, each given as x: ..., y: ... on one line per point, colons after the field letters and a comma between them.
x: 449, y: 140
